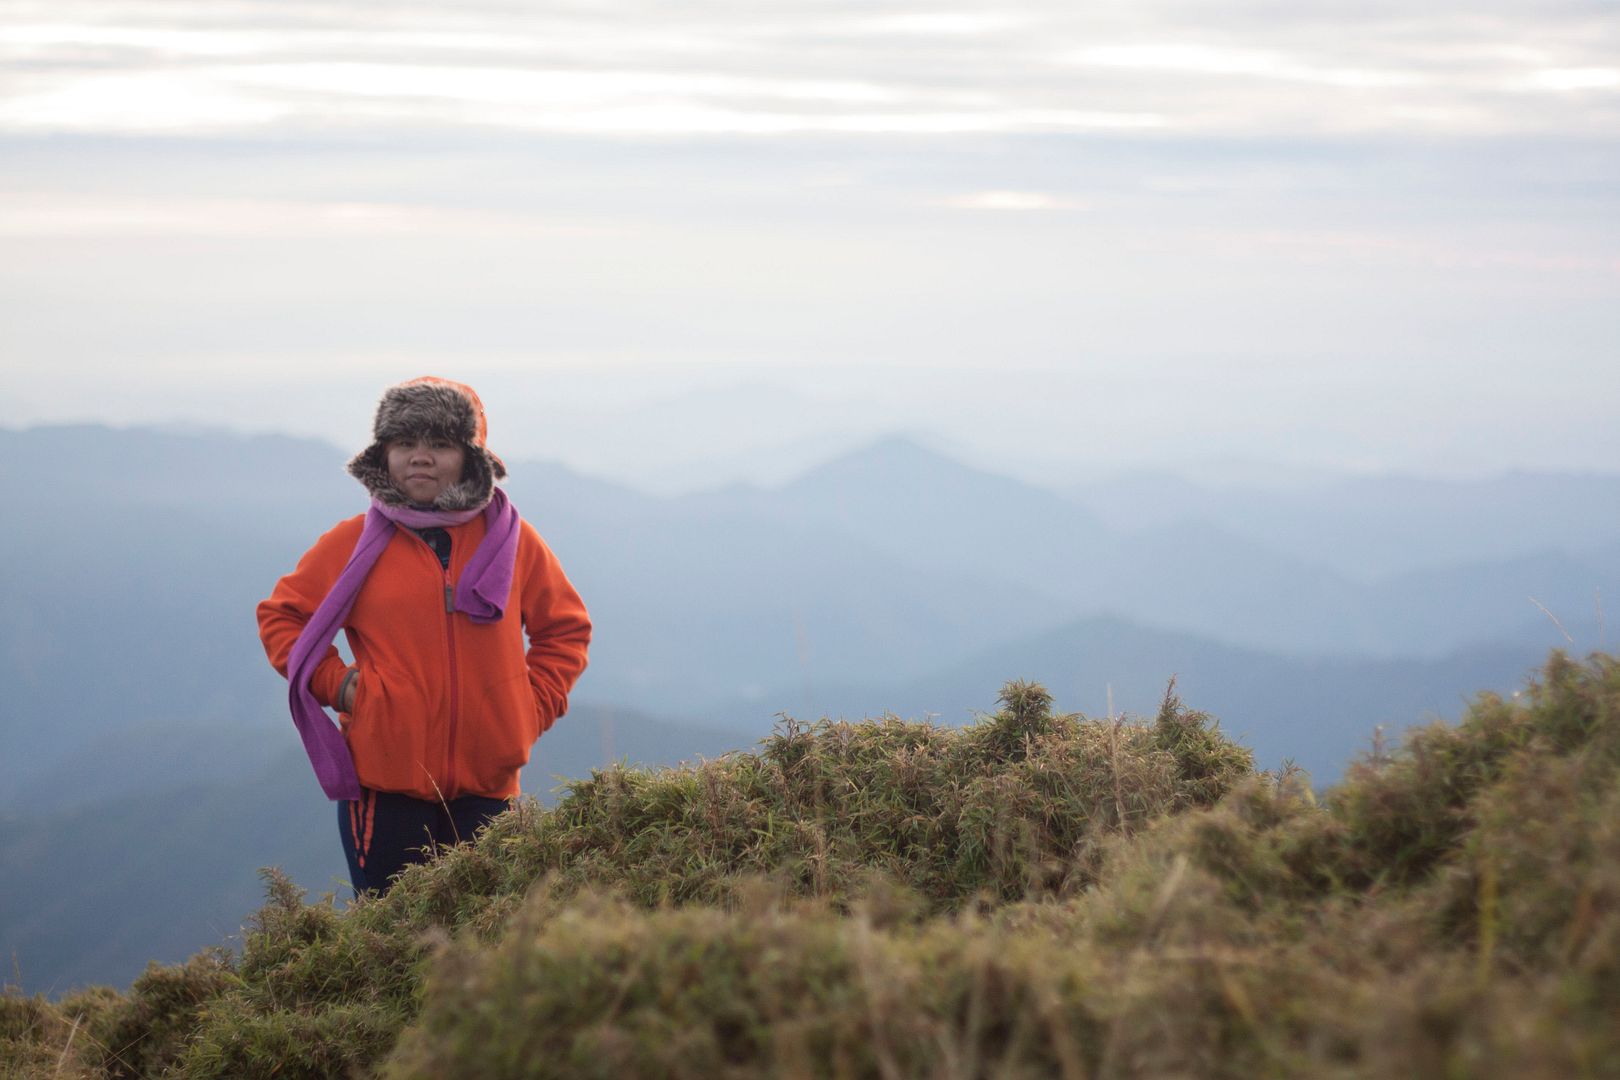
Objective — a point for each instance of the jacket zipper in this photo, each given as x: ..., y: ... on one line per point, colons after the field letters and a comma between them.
x: 455, y: 692
x: 449, y: 787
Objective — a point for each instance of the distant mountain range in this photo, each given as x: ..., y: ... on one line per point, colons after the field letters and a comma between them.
x: 1382, y: 527
x: 891, y: 578
x: 1317, y: 712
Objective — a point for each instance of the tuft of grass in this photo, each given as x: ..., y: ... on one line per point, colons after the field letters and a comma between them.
x: 319, y: 992
x: 65, y: 1039
x: 37, y: 1039
x: 601, y: 987
x: 141, y: 1034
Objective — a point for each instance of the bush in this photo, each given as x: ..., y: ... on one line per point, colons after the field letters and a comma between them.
x: 38, y: 1039
x: 142, y: 1034
x: 603, y: 988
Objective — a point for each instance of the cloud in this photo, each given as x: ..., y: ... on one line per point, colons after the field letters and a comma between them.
x: 1171, y: 56
x: 57, y: 214
x: 1011, y: 200
x: 633, y: 68
x: 1590, y: 78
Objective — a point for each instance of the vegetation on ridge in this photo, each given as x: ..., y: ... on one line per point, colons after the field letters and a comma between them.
x: 1037, y: 894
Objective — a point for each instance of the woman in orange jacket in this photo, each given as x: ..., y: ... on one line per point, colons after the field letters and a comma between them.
x: 436, y: 587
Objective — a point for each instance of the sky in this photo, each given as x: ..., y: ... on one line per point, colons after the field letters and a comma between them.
x: 684, y: 244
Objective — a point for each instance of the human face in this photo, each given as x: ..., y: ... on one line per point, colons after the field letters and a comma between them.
x: 422, y: 467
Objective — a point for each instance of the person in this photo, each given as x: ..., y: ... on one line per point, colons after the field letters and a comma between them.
x: 435, y: 587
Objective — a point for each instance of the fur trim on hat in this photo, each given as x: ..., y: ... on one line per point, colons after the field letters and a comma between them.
x: 436, y: 409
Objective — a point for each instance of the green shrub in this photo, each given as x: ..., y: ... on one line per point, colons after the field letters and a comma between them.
x: 143, y: 1033
x: 38, y: 1039
x: 602, y: 988
x: 320, y: 993
x: 1407, y: 812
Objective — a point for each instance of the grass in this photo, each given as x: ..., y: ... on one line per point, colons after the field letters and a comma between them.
x: 1038, y: 894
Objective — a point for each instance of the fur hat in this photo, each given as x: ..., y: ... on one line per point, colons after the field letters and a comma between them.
x: 431, y: 407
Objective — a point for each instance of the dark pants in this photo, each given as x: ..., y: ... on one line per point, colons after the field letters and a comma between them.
x: 383, y: 832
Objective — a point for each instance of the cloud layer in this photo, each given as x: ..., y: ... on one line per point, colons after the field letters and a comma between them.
x: 639, y: 69
x: 1353, y: 235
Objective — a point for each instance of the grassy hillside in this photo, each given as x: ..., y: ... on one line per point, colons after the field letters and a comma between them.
x: 1036, y: 895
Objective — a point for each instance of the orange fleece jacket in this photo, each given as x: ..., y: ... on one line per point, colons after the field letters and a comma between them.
x: 443, y: 706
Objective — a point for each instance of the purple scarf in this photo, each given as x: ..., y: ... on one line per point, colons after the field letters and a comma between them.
x: 480, y: 594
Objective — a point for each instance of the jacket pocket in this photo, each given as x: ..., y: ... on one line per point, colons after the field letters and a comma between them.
x: 496, y: 743
x: 388, y: 731
x: 363, y: 684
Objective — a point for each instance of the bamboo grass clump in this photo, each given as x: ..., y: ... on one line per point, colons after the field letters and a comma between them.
x: 1039, y: 894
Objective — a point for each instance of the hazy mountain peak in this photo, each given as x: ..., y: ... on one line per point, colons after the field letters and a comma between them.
x: 894, y: 459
